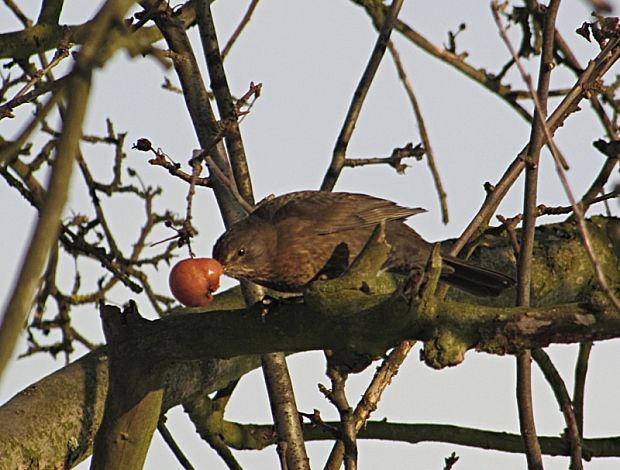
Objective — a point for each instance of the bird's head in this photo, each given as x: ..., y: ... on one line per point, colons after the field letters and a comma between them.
x: 247, y: 249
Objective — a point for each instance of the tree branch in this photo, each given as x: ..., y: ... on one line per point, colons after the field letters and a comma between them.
x: 49, y: 218
x: 256, y: 437
x: 340, y: 149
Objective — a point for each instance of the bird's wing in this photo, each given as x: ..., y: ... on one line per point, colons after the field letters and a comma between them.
x: 387, y: 211
x: 334, y: 212
x: 371, y: 218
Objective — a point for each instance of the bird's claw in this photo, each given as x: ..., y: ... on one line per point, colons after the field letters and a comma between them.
x: 269, y: 302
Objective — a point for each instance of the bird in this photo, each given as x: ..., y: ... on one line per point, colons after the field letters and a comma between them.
x: 289, y: 241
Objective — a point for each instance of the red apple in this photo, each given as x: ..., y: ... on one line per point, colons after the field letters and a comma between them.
x: 193, y: 281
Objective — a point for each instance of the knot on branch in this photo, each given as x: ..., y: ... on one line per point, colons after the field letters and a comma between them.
x: 447, y: 348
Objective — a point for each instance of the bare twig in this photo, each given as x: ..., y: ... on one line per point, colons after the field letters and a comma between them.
x: 253, y: 93
x: 510, y: 226
x: 61, y: 53
x: 383, y: 377
x: 458, y: 62
x: 430, y: 156
x: 597, y: 67
x: 6, y: 110
x: 208, y: 417
x: 340, y: 149
x: 611, y: 150
x: 583, y: 231
x: 394, y: 160
x: 524, y: 262
x: 585, y: 237
x: 581, y: 370
x: 174, y: 447
x: 230, y: 185
x: 240, y: 27
x: 525, y: 95
x: 12, y: 149
x: 187, y: 223
x: 224, y: 100
x: 256, y: 437
x: 73, y: 239
x: 544, y: 210
x: 563, y: 398
x: 90, y: 184
x: 571, y: 61
x: 163, y: 160
x: 346, y: 447
x: 526, y: 411
x: 368, y: 403
x: 27, y: 22
x: 450, y: 461
x: 541, y: 210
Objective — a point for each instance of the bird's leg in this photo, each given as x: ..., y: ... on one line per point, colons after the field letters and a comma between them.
x: 269, y: 302
x: 420, y: 285
x: 413, y: 285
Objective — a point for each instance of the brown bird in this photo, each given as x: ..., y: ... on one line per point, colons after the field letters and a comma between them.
x: 289, y: 241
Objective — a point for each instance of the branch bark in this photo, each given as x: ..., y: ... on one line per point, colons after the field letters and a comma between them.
x: 35, y: 434
x: 562, y: 278
x: 135, y: 397
x: 256, y: 437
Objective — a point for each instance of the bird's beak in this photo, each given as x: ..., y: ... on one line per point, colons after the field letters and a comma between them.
x: 227, y: 270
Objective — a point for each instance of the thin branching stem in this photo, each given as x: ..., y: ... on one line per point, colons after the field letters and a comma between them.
x: 578, y: 212
x: 240, y: 27
x: 426, y: 141
x: 340, y: 149
x: 563, y: 398
x: 524, y: 264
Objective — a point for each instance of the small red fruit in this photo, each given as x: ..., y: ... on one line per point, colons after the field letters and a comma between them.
x: 193, y: 280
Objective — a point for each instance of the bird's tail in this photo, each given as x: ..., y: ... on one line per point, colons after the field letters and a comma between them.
x: 473, y: 279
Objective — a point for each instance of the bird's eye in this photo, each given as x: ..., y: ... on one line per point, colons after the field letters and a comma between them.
x: 241, y: 252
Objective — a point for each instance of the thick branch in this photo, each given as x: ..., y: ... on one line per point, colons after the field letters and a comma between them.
x: 46, y: 36
x: 134, y: 401
x: 79, y: 391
